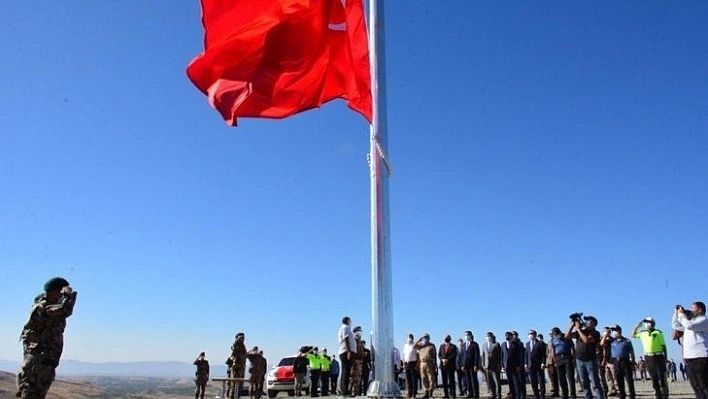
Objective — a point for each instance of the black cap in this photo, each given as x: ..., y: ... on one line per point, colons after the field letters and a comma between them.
x: 357, y: 328
x: 55, y: 284
x: 590, y: 318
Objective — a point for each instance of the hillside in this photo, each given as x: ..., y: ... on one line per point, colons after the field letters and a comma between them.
x: 61, y: 389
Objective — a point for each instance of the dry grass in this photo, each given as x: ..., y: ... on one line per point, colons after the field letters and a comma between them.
x: 60, y: 389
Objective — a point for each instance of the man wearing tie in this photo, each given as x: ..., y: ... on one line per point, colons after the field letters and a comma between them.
x: 535, y: 362
x: 470, y: 365
x: 448, y: 355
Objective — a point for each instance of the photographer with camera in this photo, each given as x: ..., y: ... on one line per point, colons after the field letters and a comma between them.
x: 695, y: 345
x: 621, y: 358
x: 654, y: 353
x: 43, y: 338
x: 587, y: 339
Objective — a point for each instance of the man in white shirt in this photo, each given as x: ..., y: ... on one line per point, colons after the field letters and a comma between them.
x: 347, y: 347
x: 410, y: 360
x: 695, y: 345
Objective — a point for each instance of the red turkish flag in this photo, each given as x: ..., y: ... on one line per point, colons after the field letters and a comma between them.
x: 275, y: 58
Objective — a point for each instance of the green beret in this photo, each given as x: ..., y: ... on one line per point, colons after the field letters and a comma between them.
x: 55, y: 284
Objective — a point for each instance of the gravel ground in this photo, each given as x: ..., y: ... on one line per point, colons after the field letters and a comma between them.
x: 678, y: 389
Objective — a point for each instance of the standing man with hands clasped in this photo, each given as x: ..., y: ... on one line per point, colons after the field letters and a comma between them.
x: 448, y: 355
x: 695, y: 345
x: 43, y: 338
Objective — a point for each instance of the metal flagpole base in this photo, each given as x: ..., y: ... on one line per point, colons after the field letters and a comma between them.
x: 383, y: 389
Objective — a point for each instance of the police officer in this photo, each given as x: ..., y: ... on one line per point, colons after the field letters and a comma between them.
x: 325, y: 364
x: 654, y: 353
x: 43, y: 338
x: 622, y: 358
x: 315, y: 370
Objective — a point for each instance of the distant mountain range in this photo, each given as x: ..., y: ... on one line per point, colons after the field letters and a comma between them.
x: 72, y: 368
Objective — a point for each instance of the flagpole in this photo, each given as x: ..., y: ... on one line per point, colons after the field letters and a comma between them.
x: 384, y: 384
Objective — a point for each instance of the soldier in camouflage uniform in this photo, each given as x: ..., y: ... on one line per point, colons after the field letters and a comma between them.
x: 427, y: 360
x: 202, y: 375
x: 258, y: 370
x: 238, y: 367
x: 357, y: 364
x: 43, y: 338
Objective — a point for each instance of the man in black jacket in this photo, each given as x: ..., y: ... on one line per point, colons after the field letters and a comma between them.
x: 535, y: 362
x: 448, y: 356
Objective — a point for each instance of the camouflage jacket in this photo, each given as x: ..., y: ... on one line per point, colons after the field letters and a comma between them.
x: 258, y: 363
x: 238, y: 351
x: 43, y: 334
x: 202, y: 369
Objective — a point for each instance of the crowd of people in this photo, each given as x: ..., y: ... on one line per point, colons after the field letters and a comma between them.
x: 602, y: 361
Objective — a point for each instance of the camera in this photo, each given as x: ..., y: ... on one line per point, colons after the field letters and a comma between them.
x: 685, y: 312
x: 578, y: 316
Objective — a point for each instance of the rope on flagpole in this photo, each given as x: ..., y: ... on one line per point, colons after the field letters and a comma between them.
x: 382, y: 154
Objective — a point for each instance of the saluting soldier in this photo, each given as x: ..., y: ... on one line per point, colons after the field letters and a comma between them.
x: 428, y: 364
x: 202, y: 375
x: 43, y: 338
x: 259, y: 366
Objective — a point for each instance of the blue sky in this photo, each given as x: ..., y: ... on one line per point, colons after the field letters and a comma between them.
x: 549, y: 157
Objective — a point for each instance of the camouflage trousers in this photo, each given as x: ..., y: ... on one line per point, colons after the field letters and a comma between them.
x: 256, y: 388
x: 236, y: 371
x: 355, y: 377
x: 34, y: 378
x: 427, y: 374
x: 201, y: 387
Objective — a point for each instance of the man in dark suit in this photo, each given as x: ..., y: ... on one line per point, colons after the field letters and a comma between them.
x: 471, y: 361
x: 459, y: 363
x: 448, y: 356
x: 535, y: 363
x: 513, y: 364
